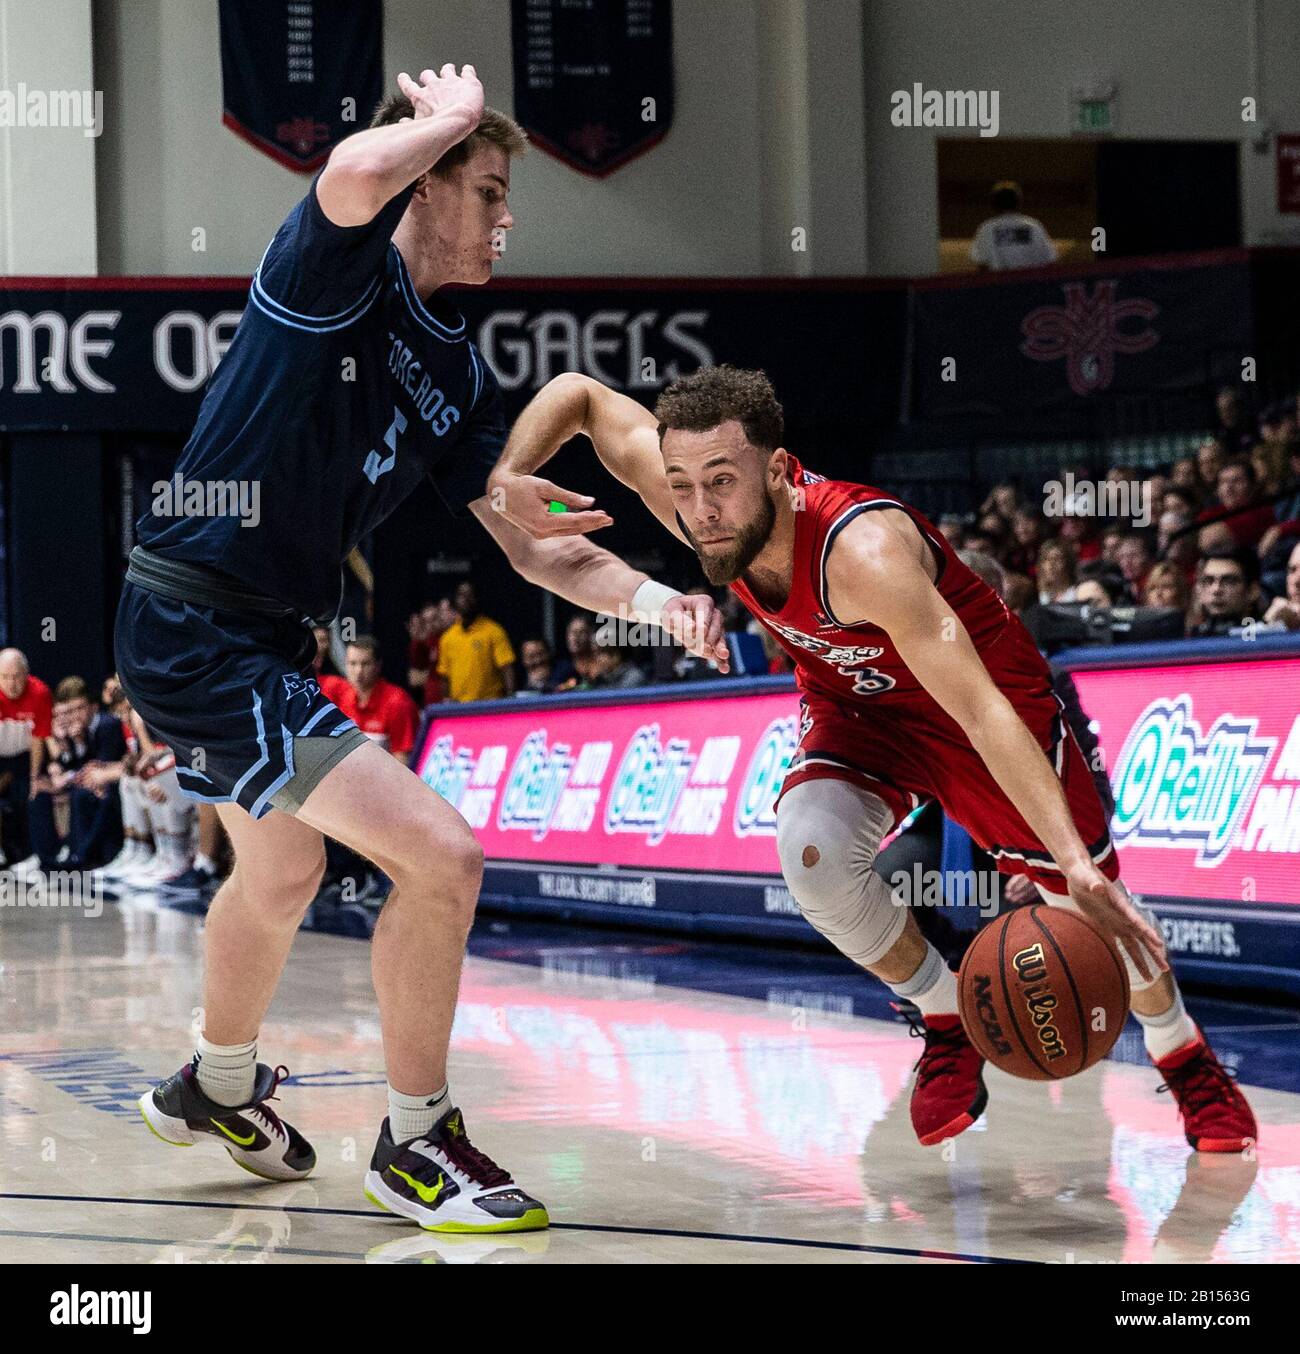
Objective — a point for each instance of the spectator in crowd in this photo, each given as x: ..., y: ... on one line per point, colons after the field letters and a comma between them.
x: 1277, y: 424
x: 952, y: 528
x: 1055, y: 577
x: 580, y: 666
x: 475, y: 658
x: 379, y: 708
x: 1210, y: 455
x: 1080, y: 534
x: 1009, y: 239
x: 1100, y: 586
x: 75, y: 814
x: 26, y: 709
x: 426, y: 629
x: 1017, y: 591
x: 1176, y: 541
x: 614, y: 668
x: 1111, y: 540
x: 1227, y: 590
x: 1166, y: 586
x: 1186, y: 476
x: 1236, y: 494
x: 1285, y: 610
x: 1233, y: 430
x: 1179, y: 499
x: 1135, y: 558
x: 539, y: 666
x: 1021, y: 555
x: 1270, y: 459
x: 995, y: 527
x: 1003, y: 499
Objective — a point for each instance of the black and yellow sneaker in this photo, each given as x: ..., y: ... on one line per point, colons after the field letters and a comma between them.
x: 443, y: 1182
x: 255, y: 1136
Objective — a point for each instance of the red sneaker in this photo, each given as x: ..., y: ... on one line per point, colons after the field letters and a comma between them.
x: 1216, y: 1117
x: 949, y: 1093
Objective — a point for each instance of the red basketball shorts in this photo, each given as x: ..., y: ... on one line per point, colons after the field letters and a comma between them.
x: 908, y: 761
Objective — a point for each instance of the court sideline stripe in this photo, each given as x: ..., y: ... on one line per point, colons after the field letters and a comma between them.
x: 857, y: 1247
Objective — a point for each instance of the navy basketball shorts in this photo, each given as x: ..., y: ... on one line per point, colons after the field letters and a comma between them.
x: 231, y: 693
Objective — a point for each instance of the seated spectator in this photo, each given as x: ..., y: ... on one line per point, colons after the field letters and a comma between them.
x: 1237, y: 492
x: 1176, y: 541
x: 1227, y: 591
x: 1055, y: 576
x: 1234, y: 428
x: 1277, y: 423
x: 1179, y: 499
x: 379, y: 708
x: 580, y: 667
x: 1017, y: 591
x: 1135, y: 557
x: 615, y: 669
x: 475, y: 658
x: 1110, y: 543
x: 1153, y: 490
x: 26, y: 709
x: 1010, y: 239
x: 1003, y: 499
x: 539, y: 666
x: 952, y: 527
x: 426, y: 629
x: 1285, y: 609
x: 1021, y: 554
x: 1210, y: 456
x: 1166, y: 586
x: 1270, y: 462
x: 1100, y: 586
x: 1186, y: 476
x: 995, y: 527
x: 76, y: 820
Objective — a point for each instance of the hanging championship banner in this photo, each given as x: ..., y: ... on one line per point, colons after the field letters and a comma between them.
x: 593, y: 78
x: 297, y: 76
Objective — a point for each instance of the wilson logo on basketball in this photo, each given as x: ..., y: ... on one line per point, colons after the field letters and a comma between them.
x: 987, y: 1013
x: 1031, y: 969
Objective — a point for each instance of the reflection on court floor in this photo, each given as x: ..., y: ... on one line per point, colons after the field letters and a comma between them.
x: 659, y: 1122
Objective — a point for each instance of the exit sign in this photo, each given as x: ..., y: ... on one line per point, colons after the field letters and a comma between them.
x: 1092, y: 111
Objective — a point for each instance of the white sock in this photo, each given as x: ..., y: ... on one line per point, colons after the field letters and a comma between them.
x: 226, y: 1072
x: 1169, y: 1031
x: 932, y: 989
x: 413, y: 1116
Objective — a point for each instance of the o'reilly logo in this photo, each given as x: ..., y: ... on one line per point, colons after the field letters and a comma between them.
x: 73, y: 1307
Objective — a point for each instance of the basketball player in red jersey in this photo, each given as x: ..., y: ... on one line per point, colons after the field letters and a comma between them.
x: 917, y: 683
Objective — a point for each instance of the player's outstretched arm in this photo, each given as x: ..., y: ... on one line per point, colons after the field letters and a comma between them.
x: 873, y: 575
x: 625, y: 438
x: 370, y: 168
x: 581, y: 572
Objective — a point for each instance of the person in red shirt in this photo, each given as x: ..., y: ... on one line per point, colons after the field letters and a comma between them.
x: 378, y: 708
x: 1236, y: 486
x: 426, y: 629
x: 26, y: 707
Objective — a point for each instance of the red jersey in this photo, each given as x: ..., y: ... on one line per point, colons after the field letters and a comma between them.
x: 26, y: 718
x: 856, y: 662
x: 389, y: 715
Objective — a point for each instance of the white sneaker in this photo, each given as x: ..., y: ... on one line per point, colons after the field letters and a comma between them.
x: 133, y: 853
x: 25, y: 867
x: 443, y: 1182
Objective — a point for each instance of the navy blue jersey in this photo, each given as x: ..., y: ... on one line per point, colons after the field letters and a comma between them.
x: 340, y: 391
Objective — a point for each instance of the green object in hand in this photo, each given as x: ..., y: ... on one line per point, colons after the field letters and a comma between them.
x: 556, y: 506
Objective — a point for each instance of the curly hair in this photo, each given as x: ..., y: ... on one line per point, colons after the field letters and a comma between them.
x: 713, y: 395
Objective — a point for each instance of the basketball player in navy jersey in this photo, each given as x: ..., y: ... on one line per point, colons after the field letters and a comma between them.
x: 917, y: 684
x: 349, y: 380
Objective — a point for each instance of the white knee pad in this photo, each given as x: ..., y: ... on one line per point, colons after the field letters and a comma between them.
x: 827, y: 836
x: 1136, y: 982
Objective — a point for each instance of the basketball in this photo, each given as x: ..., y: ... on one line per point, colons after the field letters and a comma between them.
x: 1041, y: 994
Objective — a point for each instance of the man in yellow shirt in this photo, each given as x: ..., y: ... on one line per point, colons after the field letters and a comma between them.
x: 475, y: 658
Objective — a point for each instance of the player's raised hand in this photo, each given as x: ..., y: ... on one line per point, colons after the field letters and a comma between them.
x: 525, y: 500
x: 445, y: 92
x: 696, y: 623
x: 1109, y: 909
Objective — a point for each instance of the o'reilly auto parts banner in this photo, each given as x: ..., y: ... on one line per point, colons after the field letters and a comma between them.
x: 108, y: 354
